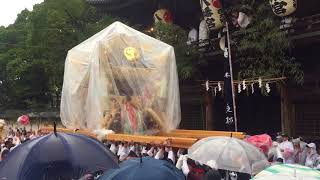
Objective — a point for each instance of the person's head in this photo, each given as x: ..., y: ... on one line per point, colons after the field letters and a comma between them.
x: 279, y: 160
x: 211, y: 175
x: 296, y: 143
x: 87, y: 177
x: 285, y: 137
x: 4, y: 154
x: 311, y: 148
x: 279, y: 139
x: 8, y: 144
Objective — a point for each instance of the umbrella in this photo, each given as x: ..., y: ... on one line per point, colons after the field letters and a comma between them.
x: 24, y: 120
x: 145, y: 168
x: 263, y: 142
x: 284, y: 177
x: 56, y: 156
x: 230, y: 154
x: 292, y: 170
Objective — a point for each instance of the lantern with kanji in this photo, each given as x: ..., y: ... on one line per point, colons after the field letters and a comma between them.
x: 283, y: 7
x: 162, y: 15
x: 211, y: 10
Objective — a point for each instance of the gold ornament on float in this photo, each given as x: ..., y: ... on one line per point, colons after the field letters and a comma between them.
x: 283, y: 7
x: 131, y: 53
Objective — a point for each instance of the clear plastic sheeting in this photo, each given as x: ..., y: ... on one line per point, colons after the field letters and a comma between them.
x: 230, y: 154
x: 123, y: 80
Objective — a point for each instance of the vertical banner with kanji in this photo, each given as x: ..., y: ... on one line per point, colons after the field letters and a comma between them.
x: 229, y: 110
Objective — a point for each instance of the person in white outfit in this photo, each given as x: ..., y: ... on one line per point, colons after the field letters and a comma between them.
x: 312, y: 156
x: 286, y: 148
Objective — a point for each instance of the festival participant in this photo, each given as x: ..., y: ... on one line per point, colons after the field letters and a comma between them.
x: 299, y: 152
x: 4, y: 153
x: 312, y: 155
x: 286, y: 148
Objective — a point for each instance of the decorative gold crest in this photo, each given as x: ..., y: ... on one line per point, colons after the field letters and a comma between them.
x: 132, y: 54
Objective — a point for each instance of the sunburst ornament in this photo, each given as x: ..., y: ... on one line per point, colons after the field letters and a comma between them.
x: 131, y: 53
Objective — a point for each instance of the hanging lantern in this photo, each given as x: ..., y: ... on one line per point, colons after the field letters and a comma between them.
x: 243, y: 20
x: 162, y: 15
x: 222, y: 43
x: 212, y: 13
x: 283, y: 7
x: 192, y: 36
x: 203, y: 34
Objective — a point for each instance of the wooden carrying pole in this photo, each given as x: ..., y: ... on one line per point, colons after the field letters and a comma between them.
x: 177, y: 138
x: 177, y: 142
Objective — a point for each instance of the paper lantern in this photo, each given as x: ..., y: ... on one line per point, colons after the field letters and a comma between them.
x: 203, y: 31
x: 192, y: 36
x: 162, y: 15
x: 243, y: 20
x: 212, y: 13
x: 283, y: 7
x: 222, y: 43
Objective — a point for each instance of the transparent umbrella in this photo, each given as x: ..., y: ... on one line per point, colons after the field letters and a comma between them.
x: 284, y: 177
x: 292, y: 170
x: 229, y: 154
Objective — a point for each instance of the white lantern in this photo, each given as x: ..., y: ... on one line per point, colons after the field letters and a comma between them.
x: 283, y: 7
x: 203, y: 31
x: 212, y: 13
x: 243, y: 20
x: 192, y: 36
x: 162, y: 15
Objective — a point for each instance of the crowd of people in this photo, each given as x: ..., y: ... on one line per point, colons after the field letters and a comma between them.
x: 294, y: 151
x: 191, y: 169
x: 14, y: 138
x: 283, y: 150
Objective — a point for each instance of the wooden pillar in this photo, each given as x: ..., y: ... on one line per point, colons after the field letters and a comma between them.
x: 209, y: 111
x: 286, y: 111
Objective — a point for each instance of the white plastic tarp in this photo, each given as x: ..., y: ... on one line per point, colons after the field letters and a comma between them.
x: 121, y: 79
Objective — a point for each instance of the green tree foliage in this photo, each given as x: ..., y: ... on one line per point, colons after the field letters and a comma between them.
x: 262, y: 49
x: 187, y: 57
x: 34, y: 48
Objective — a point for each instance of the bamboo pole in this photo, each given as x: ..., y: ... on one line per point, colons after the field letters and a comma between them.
x: 231, y: 76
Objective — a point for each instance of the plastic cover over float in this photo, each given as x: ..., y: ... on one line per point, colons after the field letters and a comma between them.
x: 123, y: 80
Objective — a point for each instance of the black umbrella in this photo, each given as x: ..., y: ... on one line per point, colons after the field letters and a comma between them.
x: 146, y: 168
x: 57, y: 156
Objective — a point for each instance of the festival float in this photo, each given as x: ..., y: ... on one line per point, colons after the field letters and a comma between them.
x: 125, y: 82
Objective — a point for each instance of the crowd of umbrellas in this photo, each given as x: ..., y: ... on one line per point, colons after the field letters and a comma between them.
x: 62, y: 156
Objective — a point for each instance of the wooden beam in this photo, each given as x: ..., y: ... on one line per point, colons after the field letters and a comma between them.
x: 209, y: 111
x: 286, y: 110
x: 199, y: 134
x: 47, y: 130
x: 177, y: 142
x: 177, y: 138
